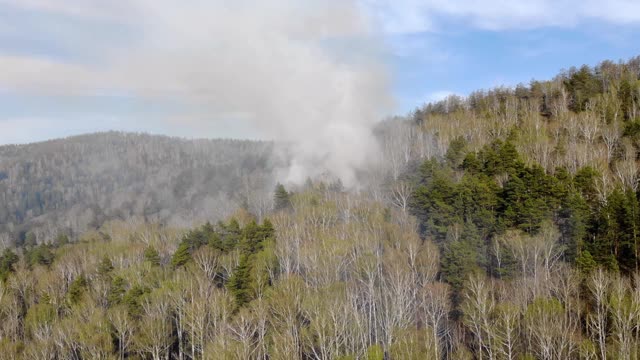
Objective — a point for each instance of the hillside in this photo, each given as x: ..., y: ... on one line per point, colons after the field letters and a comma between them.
x: 503, y: 225
x: 74, y: 184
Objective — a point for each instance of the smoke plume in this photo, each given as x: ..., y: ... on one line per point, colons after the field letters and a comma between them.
x: 306, y: 73
x: 303, y: 73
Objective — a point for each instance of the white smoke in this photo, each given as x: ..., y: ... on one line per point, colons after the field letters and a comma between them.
x: 304, y: 73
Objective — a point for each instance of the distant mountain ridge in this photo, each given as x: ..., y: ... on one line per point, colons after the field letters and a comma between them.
x: 77, y: 183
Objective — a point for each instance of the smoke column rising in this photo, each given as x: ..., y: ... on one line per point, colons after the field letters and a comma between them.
x: 304, y: 73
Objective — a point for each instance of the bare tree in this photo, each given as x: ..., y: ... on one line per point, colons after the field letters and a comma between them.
x: 401, y: 192
x: 597, y: 321
x: 124, y: 329
x: 477, y: 307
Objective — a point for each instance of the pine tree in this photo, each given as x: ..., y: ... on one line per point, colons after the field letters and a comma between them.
x: 77, y: 289
x: 458, y: 262
x: 456, y: 152
x: 132, y: 299
x: 182, y: 255
x: 240, y: 283
x: 116, y: 291
x: 281, y: 198
x: 7, y: 261
x: 152, y: 256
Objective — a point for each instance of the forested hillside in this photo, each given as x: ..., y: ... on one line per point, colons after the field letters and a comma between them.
x: 71, y: 185
x: 503, y: 225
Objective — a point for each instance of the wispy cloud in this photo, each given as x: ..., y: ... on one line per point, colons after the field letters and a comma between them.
x: 407, y: 16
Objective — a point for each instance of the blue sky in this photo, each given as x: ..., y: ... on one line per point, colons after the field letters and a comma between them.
x: 466, y: 59
x: 63, y: 60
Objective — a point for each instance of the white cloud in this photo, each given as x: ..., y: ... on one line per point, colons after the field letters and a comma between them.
x: 90, y: 9
x: 407, y: 16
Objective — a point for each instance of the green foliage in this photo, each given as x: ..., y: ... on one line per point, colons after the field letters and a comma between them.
x: 225, y: 237
x: 152, y: 256
x: 240, y: 283
x: 360, y: 278
x: 7, y: 261
x: 458, y: 262
x: 133, y: 300
x: 550, y: 307
x: 117, y: 291
x: 582, y: 86
x: 614, y: 232
x: 456, y: 152
x: 41, y: 314
x: 256, y: 258
x: 77, y: 290
x: 347, y: 357
x: 585, y: 262
x: 375, y: 352
x: 281, y: 198
x: 182, y: 255
x: 39, y: 255
x: 105, y: 267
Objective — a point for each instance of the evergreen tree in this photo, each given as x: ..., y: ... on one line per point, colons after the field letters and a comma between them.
x: 456, y: 152
x: 7, y: 261
x: 458, y: 262
x: 240, y: 283
x: 39, y: 255
x: 281, y: 198
x: 152, y: 256
x: 133, y: 300
x: 182, y: 255
x: 116, y: 291
x: 77, y: 290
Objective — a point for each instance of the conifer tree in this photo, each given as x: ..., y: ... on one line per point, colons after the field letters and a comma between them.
x: 116, y: 291
x: 182, y: 255
x: 281, y: 198
x: 152, y: 256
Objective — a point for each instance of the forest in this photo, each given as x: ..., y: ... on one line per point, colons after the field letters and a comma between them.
x: 72, y: 185
x: 501, y: 225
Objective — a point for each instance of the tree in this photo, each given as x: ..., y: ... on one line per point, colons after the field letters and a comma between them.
x: 123, y: 330
x: 7, y: 262
x: 105, y: 267
x: 281, y: 198
x: 477, y: 309
x: 152, y: 256
x: 155, y: 336
x: 597, y: 321
x: 458, y: 262
x: 456, y: 152
x: 77, y: 289
x: 182, y: 255
x: 116, y: 291
x: 240, y: 284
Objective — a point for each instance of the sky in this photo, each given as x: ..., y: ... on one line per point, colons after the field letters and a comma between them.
x: 77, y: 66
